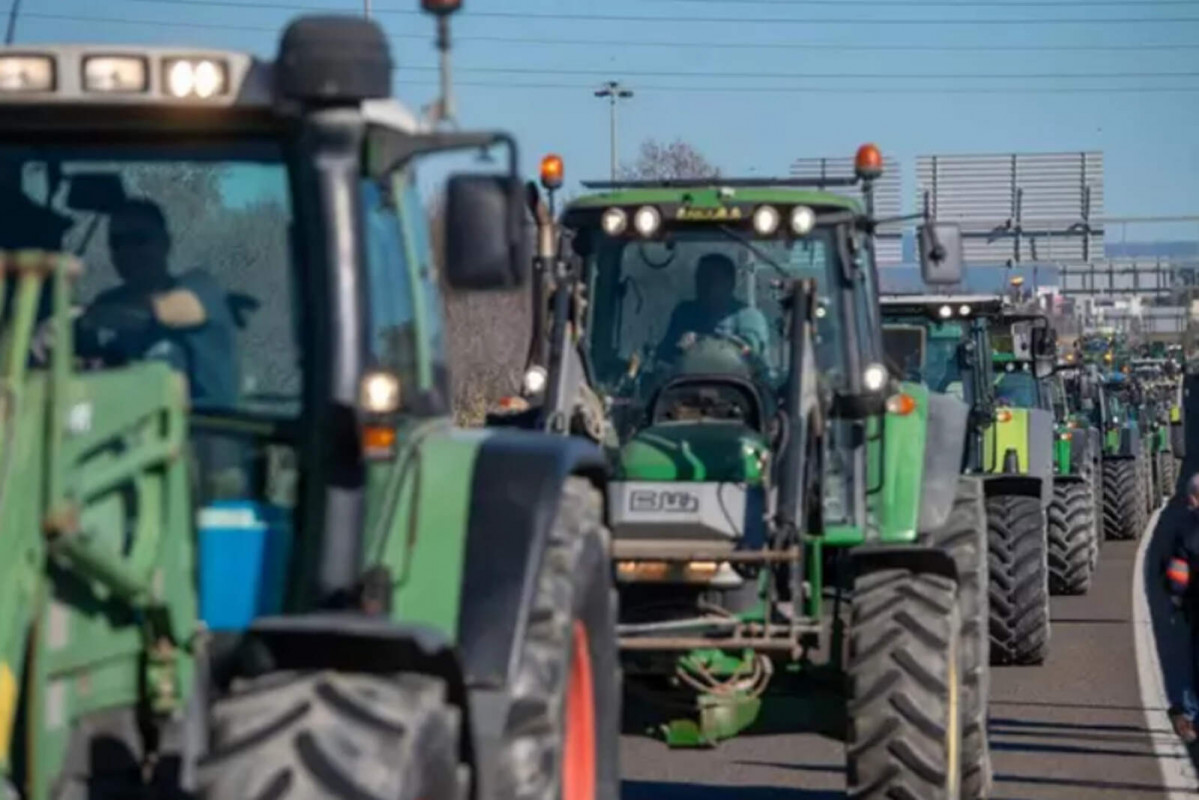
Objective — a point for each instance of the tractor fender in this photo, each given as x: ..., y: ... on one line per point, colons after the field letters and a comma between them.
x: 1131, y: 442
x: 518, y: 480
x: 917, y: 558
x: 1014, y: 484
x: 944, y: 447
x: 1041, y: 433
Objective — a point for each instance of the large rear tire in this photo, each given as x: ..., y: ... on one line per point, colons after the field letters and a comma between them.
x: 562, y: 733
x: 904, y: 705
x: 964, y: 536
x: 1123, y: 509
x: 1019, y: 580
x: 1071, y: 538
x: 332, y: 735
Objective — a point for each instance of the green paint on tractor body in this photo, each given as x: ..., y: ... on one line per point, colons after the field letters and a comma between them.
x: 694, y: 451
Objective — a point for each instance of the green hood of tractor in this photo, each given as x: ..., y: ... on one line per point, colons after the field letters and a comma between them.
x: 694, y: 451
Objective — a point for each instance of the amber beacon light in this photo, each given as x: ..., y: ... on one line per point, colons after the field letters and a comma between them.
x: 552, y: 171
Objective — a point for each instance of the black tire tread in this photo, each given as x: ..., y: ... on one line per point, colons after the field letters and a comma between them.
x: 318, y: 735
x: 903, y: 651
x: 576, y: 557
x: 1123, y: 511
x: 1071, y: 538
x: 964, y: 536
x: 1019, y: 580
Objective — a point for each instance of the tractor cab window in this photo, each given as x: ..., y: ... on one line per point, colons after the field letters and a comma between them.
x: 406, y: 331
x: 932, y: 358
x: 703, y: 302
x: 1017, y: 389
x: 186, y: 261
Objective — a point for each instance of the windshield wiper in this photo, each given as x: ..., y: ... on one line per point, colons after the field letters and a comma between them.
x: 737, y: 237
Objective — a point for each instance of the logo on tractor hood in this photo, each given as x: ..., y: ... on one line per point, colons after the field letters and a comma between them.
x: 706, y: 214
x: 667, y: 500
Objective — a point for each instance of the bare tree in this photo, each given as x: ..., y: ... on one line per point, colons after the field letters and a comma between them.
x: 666, y: 160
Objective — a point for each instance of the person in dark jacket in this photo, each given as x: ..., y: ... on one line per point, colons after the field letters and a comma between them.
x: 1183, y: 563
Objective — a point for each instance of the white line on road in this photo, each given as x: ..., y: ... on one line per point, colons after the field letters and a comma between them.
x: 1177, y: 771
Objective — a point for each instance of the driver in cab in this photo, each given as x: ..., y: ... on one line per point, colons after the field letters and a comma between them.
x: 715, y: 311
x: 182, y: 319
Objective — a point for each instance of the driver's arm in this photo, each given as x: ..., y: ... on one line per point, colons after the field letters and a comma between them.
x: 753, y: 327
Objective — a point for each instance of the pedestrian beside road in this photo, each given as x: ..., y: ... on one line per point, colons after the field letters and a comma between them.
x: 1182, y: 564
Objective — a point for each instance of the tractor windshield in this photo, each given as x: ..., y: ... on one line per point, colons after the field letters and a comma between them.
x: 659, y: 308
x: 186, y: 260
x: 206, y: 229
x: 936, y: 364
x: 1018, y: 390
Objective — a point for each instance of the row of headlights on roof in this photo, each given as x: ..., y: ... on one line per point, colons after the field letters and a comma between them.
x: 184, y: 78
x: 947, y: 311
x: 767, y: 220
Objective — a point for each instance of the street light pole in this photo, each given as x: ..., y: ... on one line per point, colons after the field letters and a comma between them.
x: 14, y: 11
x: 613, y: 91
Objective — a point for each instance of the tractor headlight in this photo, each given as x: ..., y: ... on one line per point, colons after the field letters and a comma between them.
x: 380, y: 393
x: 116, y: 74
x: 647, y: 220
x: 200, y: 78
x: 26, y: 74
x: 964, y: 310
x: 874, y: 377
x: 803, y: 220
x: 766, y: 220
x: 534, y: 380
x: 945, y: 312
x: 614, y: 221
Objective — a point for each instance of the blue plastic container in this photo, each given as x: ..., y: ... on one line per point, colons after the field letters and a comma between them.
x: 244, y: 549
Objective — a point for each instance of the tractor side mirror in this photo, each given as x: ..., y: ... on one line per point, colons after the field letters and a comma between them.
x: 940, y: 253
x: 487, y: 233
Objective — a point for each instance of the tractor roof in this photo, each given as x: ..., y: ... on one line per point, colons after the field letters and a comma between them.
x: 713, y: 194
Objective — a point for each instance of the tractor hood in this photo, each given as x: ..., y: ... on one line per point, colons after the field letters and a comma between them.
x: 695, y: 451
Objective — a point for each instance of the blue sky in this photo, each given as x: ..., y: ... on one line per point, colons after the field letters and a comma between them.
x: 759, y: 99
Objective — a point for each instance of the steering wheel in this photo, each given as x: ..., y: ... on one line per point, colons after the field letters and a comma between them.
x: 113, y: 331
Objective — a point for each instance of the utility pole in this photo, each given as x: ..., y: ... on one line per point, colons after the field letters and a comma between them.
x: 13, y: 12
x: 614, y: 92
x: 366, y: 8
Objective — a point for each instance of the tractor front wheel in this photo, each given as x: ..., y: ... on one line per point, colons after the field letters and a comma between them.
x: 1019, y: 580
x: 1071, y: 538
x: 329, y: 735
x: 1123, y: 508
x: 563, y: 727
x: 1166, y: 469
x: 904, y: 707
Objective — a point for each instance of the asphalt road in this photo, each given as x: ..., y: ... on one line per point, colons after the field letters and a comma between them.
x: 1073, y: 728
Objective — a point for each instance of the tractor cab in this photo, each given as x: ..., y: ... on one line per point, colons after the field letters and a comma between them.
x: 219, y: 293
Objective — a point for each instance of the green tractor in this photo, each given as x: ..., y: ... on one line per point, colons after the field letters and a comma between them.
x: 944, y: 342
x: 788, y: 519
x: 1075, y: 516
x: 247, y: 554
x: 1158, y: 391
x: 1127, y: 489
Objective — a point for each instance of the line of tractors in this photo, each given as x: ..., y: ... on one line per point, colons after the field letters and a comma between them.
x: 739, y: 485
